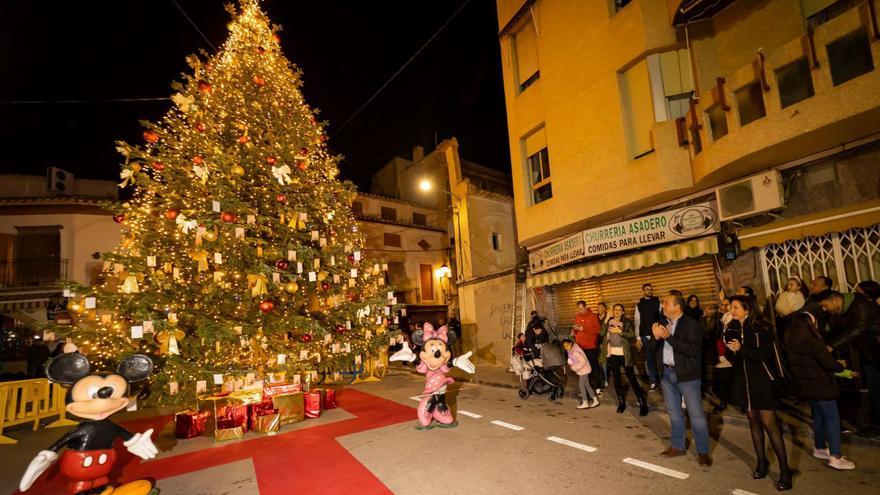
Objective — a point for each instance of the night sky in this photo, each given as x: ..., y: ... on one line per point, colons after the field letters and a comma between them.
x: 347, y: 49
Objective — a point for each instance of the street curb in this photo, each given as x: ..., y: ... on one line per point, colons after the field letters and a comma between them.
x: 805, y: 432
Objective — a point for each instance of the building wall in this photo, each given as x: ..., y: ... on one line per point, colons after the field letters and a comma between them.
x: 81, y: 236
x: 488, y: 215
x: 31, y: 186
x: 487, y: 312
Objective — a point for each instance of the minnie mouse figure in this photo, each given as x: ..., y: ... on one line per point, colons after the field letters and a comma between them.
x: 435, y: 356
x: 90, y: 454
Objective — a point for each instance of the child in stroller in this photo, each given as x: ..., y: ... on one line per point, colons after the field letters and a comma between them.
x: 540, y: 366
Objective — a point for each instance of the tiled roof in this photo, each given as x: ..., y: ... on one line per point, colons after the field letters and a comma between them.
x: 393, y: 200
x: 372, y: 219
x: 55, y: 201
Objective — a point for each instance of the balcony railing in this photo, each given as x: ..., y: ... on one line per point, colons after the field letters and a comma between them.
x: 32, y: 272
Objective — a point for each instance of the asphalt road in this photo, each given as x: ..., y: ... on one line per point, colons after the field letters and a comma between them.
x: 592, y: 451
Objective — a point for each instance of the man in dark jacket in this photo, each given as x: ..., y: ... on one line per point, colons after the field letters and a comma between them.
x: 679, y: 353
x: 646, y: 315
x: 856, y: 324
x: 819, y: 285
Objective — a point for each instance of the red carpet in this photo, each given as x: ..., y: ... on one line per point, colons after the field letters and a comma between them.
x: 304, y: 461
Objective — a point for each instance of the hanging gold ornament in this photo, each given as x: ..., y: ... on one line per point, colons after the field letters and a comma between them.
x: 291, y: 287
x: 130, y: 286
x: 168, y: 341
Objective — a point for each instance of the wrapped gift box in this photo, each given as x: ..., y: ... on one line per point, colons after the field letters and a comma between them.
x: 328, y: 398
x: 227, y: 430
x: 272, y: 389
x: 223, y: 409
x: 291, y: 407
x: 189, y: 424
x: 268, y: 422
x: 313, y: 404
x: 247, y: 396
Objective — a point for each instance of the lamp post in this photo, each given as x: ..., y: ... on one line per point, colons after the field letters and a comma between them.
x: 425, y: 185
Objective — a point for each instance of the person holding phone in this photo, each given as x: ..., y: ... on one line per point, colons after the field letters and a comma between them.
x: 618, y: 338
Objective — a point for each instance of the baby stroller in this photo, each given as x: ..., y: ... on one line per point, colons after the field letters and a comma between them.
x: 542, y: 374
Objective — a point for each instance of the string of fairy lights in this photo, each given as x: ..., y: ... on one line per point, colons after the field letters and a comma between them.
x: 240, y: 255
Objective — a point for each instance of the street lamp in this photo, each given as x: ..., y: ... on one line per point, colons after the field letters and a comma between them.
x: 443, y: 271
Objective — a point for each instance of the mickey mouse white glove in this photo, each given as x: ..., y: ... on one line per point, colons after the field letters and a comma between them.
x: 464, y: 363
x: 141, y: 445
x: 404, y: 354
x: 39, y: 464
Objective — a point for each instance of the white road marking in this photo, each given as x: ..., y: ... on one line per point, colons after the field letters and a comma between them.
x: 470, y: 414
x: 507, y: 425
x: 562, y: 441
x: 738, y: 491
x: 656, y: 468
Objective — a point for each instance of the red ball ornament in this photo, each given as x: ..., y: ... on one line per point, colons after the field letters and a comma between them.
x: 281, y: 198
x: 351, y: 257
x: 119, y: 218
x: 267, y: 306
x: 322, y: 138
x: 228, y: 216
x: 200, y: 127
x: 302, y: 165
x: 198, y: 160
x: 271, y: 160
x: 243, y: 140
x: 171, y: 213
x: 282, y: 264
x: 259, y: 81
x: 151, y: 137
x: 325, y: 285
x: 158, y: 166
x: 306, y: 337
x: 204, y: 87
x: 276, y: 38
x: 304, y: 151
x: 340, y: 328
x: 261, y: 50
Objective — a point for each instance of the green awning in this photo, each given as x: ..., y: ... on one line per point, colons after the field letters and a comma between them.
x: 635, y: 261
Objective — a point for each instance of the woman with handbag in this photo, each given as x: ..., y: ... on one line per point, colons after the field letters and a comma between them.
x: 757, y: 371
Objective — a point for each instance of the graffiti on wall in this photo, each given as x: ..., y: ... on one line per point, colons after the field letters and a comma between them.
x: 503, y: 314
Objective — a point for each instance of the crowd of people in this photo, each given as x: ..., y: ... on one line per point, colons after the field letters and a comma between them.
x: 801, y: 348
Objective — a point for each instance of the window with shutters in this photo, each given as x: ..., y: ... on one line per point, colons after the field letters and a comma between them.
x: 717, y: 119
x: 426, y: 279
x: 419, y: 219
x: 750, y: 103
x: 358, y: 208
x: 795, y: 82
x: 635, y: 91
x: 525, y: 50
x: 392, y: 240
x: 850, y: 56
x: 388, y: 213
x: 538, y: 163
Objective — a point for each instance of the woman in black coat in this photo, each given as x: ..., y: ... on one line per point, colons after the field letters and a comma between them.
x: 752, y: 387
x: 813, y: 369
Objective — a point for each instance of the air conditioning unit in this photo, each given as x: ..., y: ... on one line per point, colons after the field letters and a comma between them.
x: 60, y: 181
x: 750, y: 196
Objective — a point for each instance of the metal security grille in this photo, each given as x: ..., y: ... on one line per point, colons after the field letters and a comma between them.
x: 848, y: 257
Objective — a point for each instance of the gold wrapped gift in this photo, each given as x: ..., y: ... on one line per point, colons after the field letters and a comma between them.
x: 223, y: 434
x: 222, y: 408
x: 247, y: 396
x: 267, y: 423
x: 291, y: 407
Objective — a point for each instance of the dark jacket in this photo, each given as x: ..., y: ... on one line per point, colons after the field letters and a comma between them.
x: 687, y: 349
x: 810, y: 362
x: 649, y: 313
x: 858, y: 326
x: 535, y: 342
x: 629, y: 340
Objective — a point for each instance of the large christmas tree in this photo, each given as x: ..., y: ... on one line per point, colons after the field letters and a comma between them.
x: 240, y: 254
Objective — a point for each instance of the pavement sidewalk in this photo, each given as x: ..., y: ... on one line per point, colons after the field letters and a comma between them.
x: 795, y: 417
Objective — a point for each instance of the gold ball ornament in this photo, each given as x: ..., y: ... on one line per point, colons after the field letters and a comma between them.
x: 291, y: 287
x: 238, y: 170
x: 210, y: 235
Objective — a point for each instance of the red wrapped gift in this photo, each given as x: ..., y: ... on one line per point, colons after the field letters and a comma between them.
x: 189, y: 424
x: 259, y: 409
x: 225, y: 409
x: 272, y: 389
x: 328, y: 398
x: 313, y: 404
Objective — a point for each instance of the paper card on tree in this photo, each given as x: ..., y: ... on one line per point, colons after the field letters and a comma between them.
x: 90, y: 302
x: 276, y: 277
x: 315, y: 235
x: 299, y: 267
x: 296, y: 379
x: 313, y: 277
x: 251, y: 219
x: 239, y: 232
x: 378, y: 320
x: 215, y: 205
x: 354, y: 273
x: 368, y: 334
x: 238, y: 329
x: 348, y: 347
x: 348, y: 324
x: 172, y: 388
x: 328, y: 338
x: 303, y: 355
x: 396, y: 320
x: 65, y: 293
x: 291, y: 255
x: 390, y: 295
x: 282, y: 359
x: 334, y: 348
x: 218, y: 379
x: 351, y: 282
x: 382, y: 282
x: 402, y: 311
x: 335, y: 278
x: 317, y: 263
x: 332, y: 260
x: 303, y: 217
x: 48, y: 336
x: 357, y: 360
x: 137, y: 332
x: 172, y: 317
x: 384, y: 267
x: 175, y: 274
x: 148, y: 326
x: 387, y: 310
x: 394, y: 301
x: 322, y: 242
x: 376, y: 268
x: 201, y: 386
x: 218, y: 258
x: 151, y: 261
x: 357, y: 255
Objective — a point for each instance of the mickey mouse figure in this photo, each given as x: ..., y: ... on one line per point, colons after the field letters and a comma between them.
x: 90, y: 454
x: 434, y: 357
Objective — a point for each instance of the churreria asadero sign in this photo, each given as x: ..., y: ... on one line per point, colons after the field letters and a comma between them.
x: 667, y: 226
